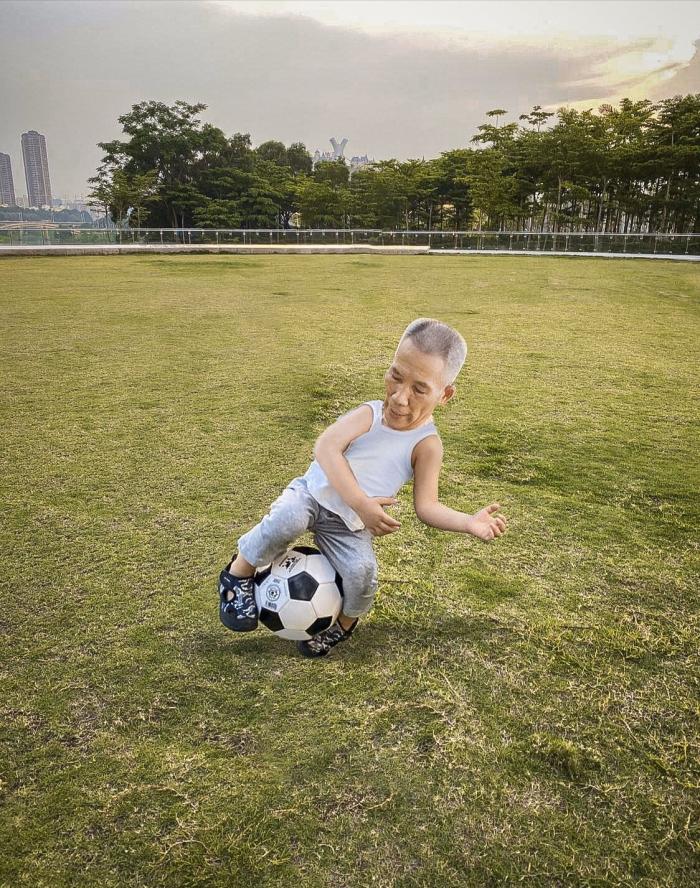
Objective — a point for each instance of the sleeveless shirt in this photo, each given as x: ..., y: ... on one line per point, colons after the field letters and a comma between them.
x: 380, y: 461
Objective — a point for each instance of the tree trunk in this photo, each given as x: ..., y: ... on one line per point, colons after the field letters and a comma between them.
x: 600, y: 205
x: 555, y: 226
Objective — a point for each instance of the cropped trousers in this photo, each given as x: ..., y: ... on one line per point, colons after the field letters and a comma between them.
x: 349, y: 551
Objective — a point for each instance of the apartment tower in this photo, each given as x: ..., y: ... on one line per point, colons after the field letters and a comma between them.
x: 7, y: 188
x: 36, y: 169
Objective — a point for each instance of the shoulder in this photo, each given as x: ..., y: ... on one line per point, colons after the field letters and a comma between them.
x: 349, y: 426
x: 427, y: 450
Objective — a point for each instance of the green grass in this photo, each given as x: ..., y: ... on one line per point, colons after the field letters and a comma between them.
x: 522, y: 712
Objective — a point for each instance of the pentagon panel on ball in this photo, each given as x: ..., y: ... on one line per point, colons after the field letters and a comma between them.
x: 299, y: 594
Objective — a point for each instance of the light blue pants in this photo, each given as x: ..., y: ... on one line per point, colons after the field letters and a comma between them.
x: 349, y: 551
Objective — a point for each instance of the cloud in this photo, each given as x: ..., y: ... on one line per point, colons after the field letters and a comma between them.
x: 685, y: 78
x: 74, y: 67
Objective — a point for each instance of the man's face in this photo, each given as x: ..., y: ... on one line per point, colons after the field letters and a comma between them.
x: 414, y: 387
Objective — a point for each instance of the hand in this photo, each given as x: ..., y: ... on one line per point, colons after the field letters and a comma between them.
x: 375, y: 519
x: 485, y: 525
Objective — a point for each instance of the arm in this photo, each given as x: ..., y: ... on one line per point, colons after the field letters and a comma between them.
x: 427, y: 455
x: 329, y: 449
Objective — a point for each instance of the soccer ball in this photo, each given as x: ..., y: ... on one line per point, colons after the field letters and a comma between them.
x: 299, y: 594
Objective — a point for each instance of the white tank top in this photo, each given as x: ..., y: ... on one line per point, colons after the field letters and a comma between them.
x: 380, y: 461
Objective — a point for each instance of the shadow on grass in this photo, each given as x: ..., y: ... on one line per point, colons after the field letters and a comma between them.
x: 372, y: 641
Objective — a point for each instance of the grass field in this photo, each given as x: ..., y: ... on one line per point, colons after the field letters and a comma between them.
x: 520, y: 712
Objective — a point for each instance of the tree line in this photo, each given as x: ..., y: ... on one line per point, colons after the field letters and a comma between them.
x: 631, y: 168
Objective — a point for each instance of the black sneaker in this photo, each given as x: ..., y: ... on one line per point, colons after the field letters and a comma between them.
x: 237, y: 608
x: 320, y: 644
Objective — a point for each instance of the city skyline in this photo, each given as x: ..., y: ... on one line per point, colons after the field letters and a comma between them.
x: 36, y: 169
x: 7, y: 188
x: 402, y: 80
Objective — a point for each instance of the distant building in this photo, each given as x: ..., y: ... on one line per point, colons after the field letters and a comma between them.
x: 357, y: 162
x: 36, y: 169
x: 338, y: 153
x: 7, y: 186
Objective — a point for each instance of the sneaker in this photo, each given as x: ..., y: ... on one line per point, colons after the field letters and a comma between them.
x: 237, y: 608
x: 320, y: 644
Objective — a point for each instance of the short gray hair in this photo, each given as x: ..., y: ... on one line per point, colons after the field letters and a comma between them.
x: 435, y: 338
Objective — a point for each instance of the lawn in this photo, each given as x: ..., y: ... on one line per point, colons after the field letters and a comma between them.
x: 519, y: 712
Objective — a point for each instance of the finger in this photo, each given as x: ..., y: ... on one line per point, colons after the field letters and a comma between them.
x: 390, y: 528
x: 388, y: 521
x: 501, y: 523
x: 494, y: 507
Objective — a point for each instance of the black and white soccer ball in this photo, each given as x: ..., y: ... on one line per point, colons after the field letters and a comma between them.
x: 299, y: 594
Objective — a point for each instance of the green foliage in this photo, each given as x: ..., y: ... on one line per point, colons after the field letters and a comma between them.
x: 635, y: 167
x: 332, y: 172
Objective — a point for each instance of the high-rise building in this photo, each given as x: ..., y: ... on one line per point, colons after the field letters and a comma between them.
x: 36, y: 169
x: 7, y: 186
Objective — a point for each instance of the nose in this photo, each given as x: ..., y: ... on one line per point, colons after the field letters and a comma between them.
x: 400, y: 397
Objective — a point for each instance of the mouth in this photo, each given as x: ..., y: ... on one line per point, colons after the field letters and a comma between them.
x: 399, y: 415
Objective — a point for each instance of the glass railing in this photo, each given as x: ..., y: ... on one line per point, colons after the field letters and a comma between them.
x: 502, y: 241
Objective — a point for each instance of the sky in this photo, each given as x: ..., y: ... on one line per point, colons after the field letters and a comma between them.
x: 398, y: 79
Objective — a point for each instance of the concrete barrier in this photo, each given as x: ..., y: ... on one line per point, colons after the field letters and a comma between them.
x: 118, y: 249
x: 257, y: 249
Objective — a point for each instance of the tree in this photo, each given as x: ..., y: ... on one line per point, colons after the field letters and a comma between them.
x: 332, y: 172
x: 118, y: 193
x: 299, y: 159
x: 321, y: 205
x: 635, y: 166
x: 274, y: 152
x: 497, y: 112
x: 169, y: 140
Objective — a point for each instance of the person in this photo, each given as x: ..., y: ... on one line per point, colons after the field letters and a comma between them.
x: 360, y: 463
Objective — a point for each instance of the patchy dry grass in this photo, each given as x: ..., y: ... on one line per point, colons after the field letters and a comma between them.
x: 520, y: 712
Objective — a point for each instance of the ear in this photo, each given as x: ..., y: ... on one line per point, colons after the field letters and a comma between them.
x: 447, y: 394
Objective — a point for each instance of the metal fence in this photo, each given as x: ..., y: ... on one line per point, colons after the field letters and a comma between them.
x: 515, y: 241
